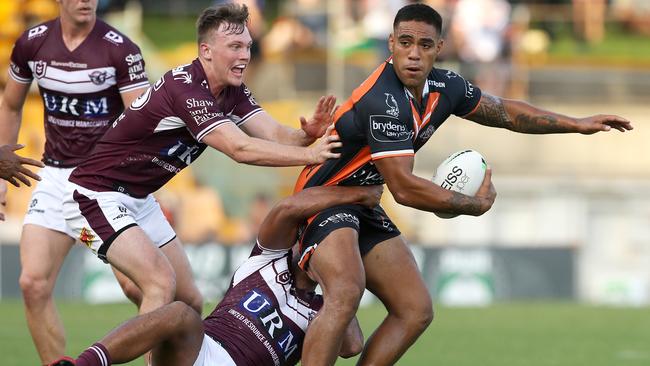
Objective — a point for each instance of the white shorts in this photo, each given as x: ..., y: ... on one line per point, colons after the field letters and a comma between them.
x: 97, y: 218
x: 45, y: 205
x: 212, y: 354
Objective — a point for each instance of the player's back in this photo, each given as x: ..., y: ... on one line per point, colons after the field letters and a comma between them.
x: 262, y: 318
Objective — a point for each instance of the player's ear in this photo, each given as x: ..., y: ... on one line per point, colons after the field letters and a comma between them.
x: 391, y: 43
x: 439, y: 45
x: 205, y: 51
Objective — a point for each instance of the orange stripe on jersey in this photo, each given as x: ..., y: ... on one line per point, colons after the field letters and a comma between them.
x: 359, y: 92
x: 304, y: 176
x: 432, y: 103
x: 359, y: 160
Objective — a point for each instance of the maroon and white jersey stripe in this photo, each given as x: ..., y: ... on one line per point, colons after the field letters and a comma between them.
x: 263, y: 318
x: 80, y: 88
x: 161, y: 132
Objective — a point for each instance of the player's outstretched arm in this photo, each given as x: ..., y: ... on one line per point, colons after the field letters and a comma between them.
x: 422, y: 194
x: 279, y: 228
x: 263, y: 126
x: 232, y: 141
x: 523, y: 117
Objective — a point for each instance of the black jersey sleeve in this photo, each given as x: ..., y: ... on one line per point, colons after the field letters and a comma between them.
x: 464, y: 96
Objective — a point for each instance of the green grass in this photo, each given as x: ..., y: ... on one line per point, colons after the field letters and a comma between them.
x: 501, y: 335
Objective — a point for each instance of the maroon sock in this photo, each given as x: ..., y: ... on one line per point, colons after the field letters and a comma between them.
x: 95, y: 355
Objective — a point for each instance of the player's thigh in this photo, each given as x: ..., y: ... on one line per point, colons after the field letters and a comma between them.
x: 186, y: 289
x: 336, y: 264
x: 392, y: 275
x: 135, y: 255
x: 42, y: 252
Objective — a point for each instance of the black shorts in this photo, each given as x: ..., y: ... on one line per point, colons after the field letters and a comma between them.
x: 373, y: 226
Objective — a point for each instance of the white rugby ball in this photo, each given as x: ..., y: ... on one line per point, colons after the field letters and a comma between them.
x: 462, y: 172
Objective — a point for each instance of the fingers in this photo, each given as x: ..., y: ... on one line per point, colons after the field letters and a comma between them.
x: 13, y: 181
x: 21, y: 177
x: 16, y: 147
x: 29, y: 173
x: 33, y: 162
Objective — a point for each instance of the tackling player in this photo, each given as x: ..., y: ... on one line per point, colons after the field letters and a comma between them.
x: 263, y: 316
x: 385, y: 121
x: 109, y: 204
x: 86, y: 72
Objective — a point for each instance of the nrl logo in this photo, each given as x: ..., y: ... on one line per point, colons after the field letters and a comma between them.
x: 393, y: 109
x: 98, y: 77
x: 39, y: 69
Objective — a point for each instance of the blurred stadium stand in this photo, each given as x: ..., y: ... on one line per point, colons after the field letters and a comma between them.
x: 571, y: 219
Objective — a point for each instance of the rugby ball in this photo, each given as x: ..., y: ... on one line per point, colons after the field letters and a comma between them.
x: 462, y: 172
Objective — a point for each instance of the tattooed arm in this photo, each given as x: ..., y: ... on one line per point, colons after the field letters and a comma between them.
x: 422, y: 194
x: 522, y: 117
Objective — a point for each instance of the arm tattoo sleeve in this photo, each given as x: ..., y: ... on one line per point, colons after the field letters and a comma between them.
x: 491, y: 113
x: 465, y: 204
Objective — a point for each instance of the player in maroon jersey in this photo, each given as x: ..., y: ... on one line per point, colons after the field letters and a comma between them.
x: 109, y: 204
x: 86, y: 72
x: 382, y: 125
x: 262, y: 319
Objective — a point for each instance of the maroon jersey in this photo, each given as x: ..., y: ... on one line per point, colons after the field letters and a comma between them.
x: 262, y: 318
x: 161, y: 132
x: 80, y: 88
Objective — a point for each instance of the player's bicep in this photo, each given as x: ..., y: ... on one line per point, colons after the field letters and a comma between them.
x: 397, y: 171
x: 491, y: 112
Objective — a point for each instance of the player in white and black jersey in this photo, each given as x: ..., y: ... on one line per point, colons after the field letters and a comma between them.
x: 263, y: 316
x: 86, y: 72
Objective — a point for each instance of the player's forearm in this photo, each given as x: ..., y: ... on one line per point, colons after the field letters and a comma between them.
x: 256, y: 151
x: 424, y: 195
x: 9, y: 125
x: 520, y: 117
x: 291, y: 136
x: 311, y: 201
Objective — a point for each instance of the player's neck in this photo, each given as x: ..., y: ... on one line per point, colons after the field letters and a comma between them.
x: 417, y: 93
x: 75, y: 33
x: 213, y: 82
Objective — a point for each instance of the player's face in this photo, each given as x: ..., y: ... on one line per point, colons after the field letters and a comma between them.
x: 414, y: 46
x: 229, y: 55
x: 78, y: 11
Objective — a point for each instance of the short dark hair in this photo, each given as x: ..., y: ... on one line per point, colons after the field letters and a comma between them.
x: 419, y: 13
x: 236, y: 16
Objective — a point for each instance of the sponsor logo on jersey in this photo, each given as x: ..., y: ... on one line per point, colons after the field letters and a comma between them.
x: 40, y: 67
x: 283, y: 278
x: 133, y: 58
x: 98, y: 77
x: 393, y: 108
x: 91, y: 107
x: 450, y: 74
x: 184, y: 152
x: 198, y: 103
x: 427, y: 132
x: 114, y: 37
x: 179, y: 73
x: 339, y: 218
x: 259, y: 306
x: 437, y: 84
x: 86, y: 236
x: 469, y: 90
x: 388, y: 129
x: 70, y: 64
x: 365, y: 177
x: 36, y: 32
x: 14, y: 68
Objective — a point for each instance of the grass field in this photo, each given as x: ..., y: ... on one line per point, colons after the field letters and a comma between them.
x: 507, y: 334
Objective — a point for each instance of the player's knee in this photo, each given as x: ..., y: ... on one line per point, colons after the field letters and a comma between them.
x: 420, y: 314
x: 132, y: 292
x: 343, y: 300
x: 183, y: 318
x: 34, y: 288
x: 162, y: 286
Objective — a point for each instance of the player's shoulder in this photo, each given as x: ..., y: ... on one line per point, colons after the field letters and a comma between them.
x: 187, y: 79
x: 36, y: 35
x: 112, y: 37
x: 450, y: 83
x: 383, y: 90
